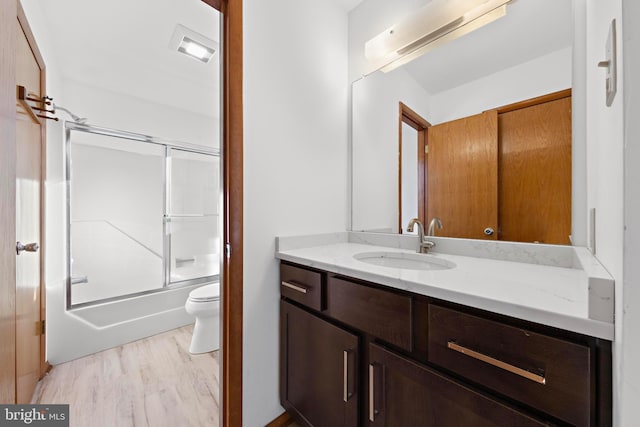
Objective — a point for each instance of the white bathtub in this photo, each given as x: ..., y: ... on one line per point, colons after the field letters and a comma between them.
x: 86, y: 330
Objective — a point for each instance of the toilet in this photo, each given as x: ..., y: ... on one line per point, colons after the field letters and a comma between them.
x: 204, y: 304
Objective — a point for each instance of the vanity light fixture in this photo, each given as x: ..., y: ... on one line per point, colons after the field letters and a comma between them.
x: 437, y: 23
x: 193, y: 44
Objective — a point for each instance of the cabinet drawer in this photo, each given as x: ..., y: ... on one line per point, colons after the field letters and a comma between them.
x: 404, y: 393
x: 383, y: 314
x: 546, y: 373
x: 301, y: 285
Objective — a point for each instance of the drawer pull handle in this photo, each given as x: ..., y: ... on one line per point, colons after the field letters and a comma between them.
x: 294, y: 287
x: 497, y: 363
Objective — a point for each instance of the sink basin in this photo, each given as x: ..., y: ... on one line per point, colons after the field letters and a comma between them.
x: 404, y: 260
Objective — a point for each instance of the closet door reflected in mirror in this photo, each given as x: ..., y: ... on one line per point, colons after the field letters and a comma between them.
x: 462, y: 178
x: 504, y: 174
x: 535, y: 172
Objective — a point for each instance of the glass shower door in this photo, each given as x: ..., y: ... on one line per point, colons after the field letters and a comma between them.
x: 142, y: 214
x: 116, y: 204
x: 191, y: 223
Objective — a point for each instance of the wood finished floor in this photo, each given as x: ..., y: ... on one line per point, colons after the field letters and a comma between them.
x: 153, y: 382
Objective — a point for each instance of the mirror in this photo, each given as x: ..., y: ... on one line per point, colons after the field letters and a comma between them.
x: 463, y: 133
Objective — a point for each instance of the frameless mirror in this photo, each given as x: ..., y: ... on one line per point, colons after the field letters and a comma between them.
x: 476, y: 133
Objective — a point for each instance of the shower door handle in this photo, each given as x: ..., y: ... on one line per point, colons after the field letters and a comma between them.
x: 29, y: 247
x: 76, y: 280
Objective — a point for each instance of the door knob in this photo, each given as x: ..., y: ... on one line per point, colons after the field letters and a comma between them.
x: 29, y: 247
x: 489, y: 231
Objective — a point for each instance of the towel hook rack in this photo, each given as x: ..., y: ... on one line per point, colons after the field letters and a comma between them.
x: 24, y: 97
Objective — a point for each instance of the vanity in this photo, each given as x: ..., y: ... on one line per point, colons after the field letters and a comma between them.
x: 472, y: 334
x: 501, y: 323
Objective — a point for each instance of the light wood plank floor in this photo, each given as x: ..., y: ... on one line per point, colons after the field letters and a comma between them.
x: 153, y: 382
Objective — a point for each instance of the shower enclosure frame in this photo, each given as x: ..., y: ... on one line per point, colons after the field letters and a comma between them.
x: 167, y: 145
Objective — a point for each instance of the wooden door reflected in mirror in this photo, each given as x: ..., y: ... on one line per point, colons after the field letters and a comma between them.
x: 504, y: 174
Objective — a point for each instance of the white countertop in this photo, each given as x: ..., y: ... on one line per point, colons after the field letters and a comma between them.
x: 577, y: 298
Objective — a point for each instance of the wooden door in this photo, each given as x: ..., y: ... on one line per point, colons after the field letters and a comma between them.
x: 29, y: 144
x: 535, y: 173
x: 462, y: 176
x: 7, y: 201
x: 318, y: 372
x: 409, y: 394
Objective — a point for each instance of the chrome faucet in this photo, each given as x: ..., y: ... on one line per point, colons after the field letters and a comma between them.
x: 435, y: 223
x: 425, y: 245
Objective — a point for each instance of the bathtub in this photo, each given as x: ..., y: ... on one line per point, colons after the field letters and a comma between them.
x: 82, y: 331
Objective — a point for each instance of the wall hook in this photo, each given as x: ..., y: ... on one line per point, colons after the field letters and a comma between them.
x: 24, y: 96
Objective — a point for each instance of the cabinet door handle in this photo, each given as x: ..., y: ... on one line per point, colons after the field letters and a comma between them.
x: 372, y: 410
x: 294, y: 287
x: 497, y: 363
x: 373, y: 367
x: 345, y: 375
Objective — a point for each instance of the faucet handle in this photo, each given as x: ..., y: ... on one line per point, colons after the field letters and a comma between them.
x: 426, y: 246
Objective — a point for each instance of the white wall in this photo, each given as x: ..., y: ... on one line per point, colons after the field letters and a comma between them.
x: 605, y: 168
x: 540, y: 76
x: 295, y: 163
x: 123, y: 112
x: 375, y: 111
x: 629, y: 386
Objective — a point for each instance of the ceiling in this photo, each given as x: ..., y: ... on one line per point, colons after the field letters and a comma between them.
x: 119, y: 46
x: 531, y: 28
x: 97, y: 44
x: 347, y: 5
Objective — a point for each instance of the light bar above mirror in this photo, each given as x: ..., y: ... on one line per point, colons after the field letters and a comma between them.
x: 437, y: 23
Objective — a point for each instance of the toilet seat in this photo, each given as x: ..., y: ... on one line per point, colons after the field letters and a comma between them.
x: 205, y: 293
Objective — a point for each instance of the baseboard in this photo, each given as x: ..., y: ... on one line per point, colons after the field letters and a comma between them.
x: 282, y: 421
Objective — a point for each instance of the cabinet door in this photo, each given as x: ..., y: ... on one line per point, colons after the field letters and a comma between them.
x: 404, y: 393
x: 318, y: 369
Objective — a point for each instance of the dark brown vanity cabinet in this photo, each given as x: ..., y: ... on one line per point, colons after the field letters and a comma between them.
x: 320, y: 364
x: 355, y: 353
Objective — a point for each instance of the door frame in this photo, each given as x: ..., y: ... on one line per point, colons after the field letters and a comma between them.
x: 408, y: 116
x: 232, y: 265
x: 232, y: 149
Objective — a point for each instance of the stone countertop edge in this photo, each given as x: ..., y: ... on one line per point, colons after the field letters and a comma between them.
x: 600, y: 284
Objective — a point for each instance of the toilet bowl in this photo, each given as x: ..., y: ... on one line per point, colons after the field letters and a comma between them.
x: 204, y: 304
